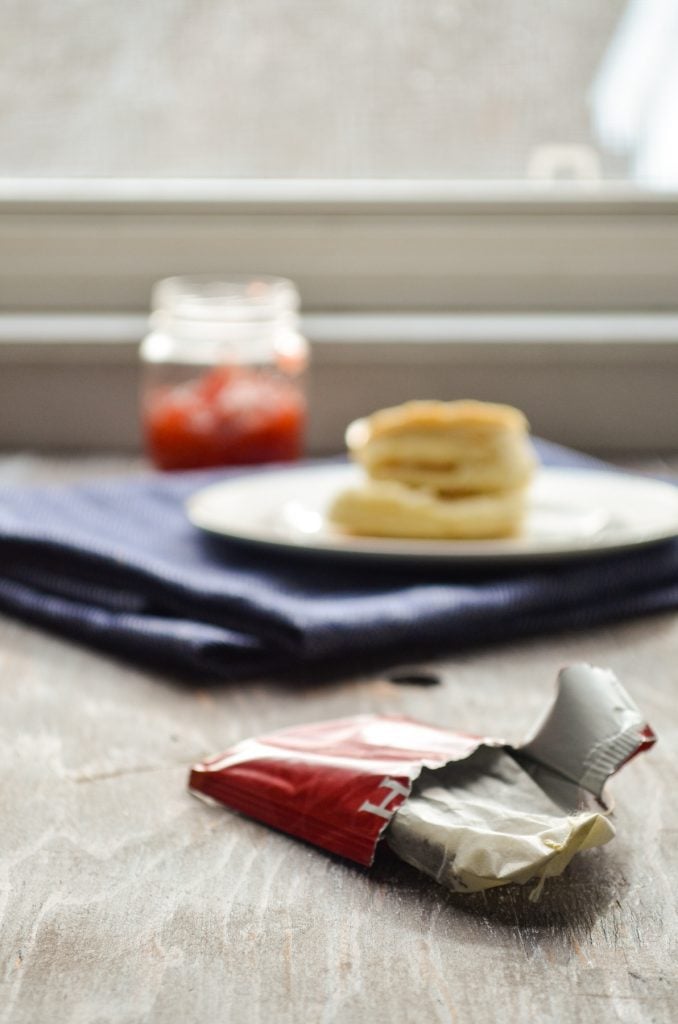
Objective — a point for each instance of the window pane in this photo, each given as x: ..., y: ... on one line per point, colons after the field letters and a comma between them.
x: 455, y: 89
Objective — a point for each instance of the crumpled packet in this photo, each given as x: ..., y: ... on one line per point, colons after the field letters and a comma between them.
x: 472, y: 812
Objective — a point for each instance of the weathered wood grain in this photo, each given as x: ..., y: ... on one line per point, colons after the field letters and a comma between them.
x: 124, y: 899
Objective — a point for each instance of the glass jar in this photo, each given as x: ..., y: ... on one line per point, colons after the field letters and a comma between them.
x: 223, y: 381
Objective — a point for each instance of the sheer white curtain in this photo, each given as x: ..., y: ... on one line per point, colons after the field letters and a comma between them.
x: 447, y: 89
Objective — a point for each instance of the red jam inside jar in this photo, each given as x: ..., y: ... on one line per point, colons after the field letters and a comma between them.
x: 223, y: 381
x: 228, y: 416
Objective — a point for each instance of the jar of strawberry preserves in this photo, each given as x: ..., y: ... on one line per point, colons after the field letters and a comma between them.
x: 223, y: 381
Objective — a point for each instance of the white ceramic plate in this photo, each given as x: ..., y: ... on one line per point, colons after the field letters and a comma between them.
x: 572, y: 513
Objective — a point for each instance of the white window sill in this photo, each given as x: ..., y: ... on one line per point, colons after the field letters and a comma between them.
x: 351, y: 246
x: 603, y: 382
x: 411, y: 289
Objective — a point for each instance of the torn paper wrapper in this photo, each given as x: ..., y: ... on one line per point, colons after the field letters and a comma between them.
x: 472, y: 812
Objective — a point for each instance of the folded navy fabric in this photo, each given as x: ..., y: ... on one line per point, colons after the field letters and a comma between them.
x: 117, y: 565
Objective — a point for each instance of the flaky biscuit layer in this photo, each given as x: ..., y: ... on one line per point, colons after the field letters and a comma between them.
x: 426, y: 415
x: 458, y: 463
x: 391, y: 509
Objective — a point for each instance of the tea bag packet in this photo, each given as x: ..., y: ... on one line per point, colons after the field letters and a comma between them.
x: 472, y: 812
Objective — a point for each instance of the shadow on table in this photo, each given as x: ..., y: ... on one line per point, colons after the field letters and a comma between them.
x: 575, y: 899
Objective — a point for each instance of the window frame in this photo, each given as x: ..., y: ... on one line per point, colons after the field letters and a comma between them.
x: 351, y: 245
x: 555, y: 297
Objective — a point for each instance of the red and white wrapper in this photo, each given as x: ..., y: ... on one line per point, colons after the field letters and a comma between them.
x: 471, y: 811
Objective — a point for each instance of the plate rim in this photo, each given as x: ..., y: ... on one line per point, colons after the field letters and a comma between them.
x: 428, y: 551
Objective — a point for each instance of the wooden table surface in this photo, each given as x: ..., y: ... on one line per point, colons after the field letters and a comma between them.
x: 124, y: 899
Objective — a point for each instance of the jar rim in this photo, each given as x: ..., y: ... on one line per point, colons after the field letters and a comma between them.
x: 242, y: 297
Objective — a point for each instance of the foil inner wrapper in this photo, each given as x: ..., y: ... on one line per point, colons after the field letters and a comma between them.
x: 515, y: 814
x: 484, y: 822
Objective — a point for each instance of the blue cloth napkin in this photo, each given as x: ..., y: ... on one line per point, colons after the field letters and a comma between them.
x: 116, y: 565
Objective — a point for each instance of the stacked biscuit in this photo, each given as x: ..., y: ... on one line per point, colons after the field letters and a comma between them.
x: 438, y: 470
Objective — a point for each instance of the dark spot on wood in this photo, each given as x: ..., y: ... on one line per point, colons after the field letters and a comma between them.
x: 415, y: 677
